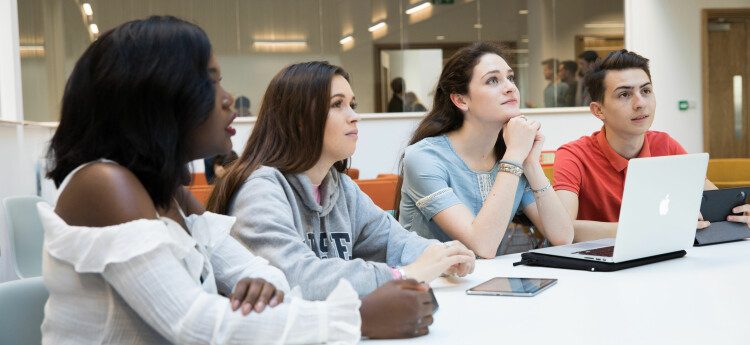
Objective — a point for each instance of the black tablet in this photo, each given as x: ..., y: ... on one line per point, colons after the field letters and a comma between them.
x: 718, y: 204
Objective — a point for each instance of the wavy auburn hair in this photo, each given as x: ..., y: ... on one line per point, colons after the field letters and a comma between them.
x: 288, y: 134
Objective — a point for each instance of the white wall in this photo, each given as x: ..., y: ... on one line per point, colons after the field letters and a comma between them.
x: 383, y: 137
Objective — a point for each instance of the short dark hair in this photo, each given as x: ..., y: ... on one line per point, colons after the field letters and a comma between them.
x: 242, y: 102
x: 397, y: 85
x: 135, y: 96
x: 615, y: 61
x: 570, y: 66
x: 589, y: 56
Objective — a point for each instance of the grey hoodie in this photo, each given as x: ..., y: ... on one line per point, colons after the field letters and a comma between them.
x: 347, y: 236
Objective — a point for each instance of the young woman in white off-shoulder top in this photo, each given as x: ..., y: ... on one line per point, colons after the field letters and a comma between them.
x: 122, y: 261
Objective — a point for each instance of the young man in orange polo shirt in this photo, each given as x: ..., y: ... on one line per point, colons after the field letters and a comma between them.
x: 590, y: 172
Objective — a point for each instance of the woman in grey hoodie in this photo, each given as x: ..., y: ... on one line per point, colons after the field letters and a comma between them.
x: 295, y: 207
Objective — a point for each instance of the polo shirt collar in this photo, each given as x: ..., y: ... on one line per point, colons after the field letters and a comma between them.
x: 617, y: 161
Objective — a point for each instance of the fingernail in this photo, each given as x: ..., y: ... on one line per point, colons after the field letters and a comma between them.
x: 259, y: 307
x: 246, y: 308
x: 235, y: 304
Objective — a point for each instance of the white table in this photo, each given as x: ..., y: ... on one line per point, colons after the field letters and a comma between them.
x: 702, y: 298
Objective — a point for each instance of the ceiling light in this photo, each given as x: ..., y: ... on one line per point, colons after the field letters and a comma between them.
x: 346, y: 39
x: 87, y: 9
x: 94, y: 28
x: 380, y: 24
x: 420, y: 6
x: 523, y: 12
x: 281, y: 43
x: 604, y: 25
x: 31, y: 48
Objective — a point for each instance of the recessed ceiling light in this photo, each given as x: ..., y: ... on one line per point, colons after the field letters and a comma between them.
x: 346, y: 39
x: 87, y: 9
x: 421, y: 6
x: 604, y: 25
x: 281, y: 43
x: 94, y: 28
x: 31, y: 48
x: 380, y: 24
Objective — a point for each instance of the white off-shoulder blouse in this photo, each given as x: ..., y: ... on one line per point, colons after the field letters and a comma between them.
x: 149, y: 282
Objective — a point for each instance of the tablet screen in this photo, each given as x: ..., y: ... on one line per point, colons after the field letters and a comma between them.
x: 513, y: 285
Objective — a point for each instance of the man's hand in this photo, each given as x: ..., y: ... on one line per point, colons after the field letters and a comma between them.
x: 744, y: 218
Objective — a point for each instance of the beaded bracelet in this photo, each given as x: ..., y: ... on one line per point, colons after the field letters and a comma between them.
x: 511, y: 163
x: 510, y: 168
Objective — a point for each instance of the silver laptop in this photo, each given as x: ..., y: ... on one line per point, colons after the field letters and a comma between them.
x: 659, y: 211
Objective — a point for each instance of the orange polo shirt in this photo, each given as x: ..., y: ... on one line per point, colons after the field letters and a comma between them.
x: 590, y: 168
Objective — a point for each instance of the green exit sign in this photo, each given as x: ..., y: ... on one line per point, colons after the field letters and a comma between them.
x: 442, y: 2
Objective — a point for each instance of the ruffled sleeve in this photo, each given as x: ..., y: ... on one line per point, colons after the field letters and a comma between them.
x: 209, y: 229
x: 335, y: 320
x: 344, y: 321
x: 90, y: 249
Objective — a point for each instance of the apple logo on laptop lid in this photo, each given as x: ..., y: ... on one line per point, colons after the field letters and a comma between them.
x: 664, y: 206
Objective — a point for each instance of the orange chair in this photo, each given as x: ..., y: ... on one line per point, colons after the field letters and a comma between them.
x: 729, y: 172
x: 201, y: 192
x: 353, y: 173
x: 547, y: 159
x: 382, y: 191
x: 549, y: 173
x: 198, y: 179
x: 388, y: 176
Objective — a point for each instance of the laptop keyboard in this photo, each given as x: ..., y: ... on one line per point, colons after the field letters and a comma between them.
x: 603, y: 251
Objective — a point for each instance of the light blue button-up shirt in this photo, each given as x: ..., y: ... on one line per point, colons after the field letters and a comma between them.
x: 435, y: 178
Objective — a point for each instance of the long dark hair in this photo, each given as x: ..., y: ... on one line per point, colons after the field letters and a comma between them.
x: 135, y: 96
x: 445, y: 116
x: 288, y: 134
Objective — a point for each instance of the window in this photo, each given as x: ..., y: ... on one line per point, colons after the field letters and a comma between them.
x: 376, y: 41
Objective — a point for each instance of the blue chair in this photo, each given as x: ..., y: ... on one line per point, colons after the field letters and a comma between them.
x: 25, y: 233
x: 22, y: 311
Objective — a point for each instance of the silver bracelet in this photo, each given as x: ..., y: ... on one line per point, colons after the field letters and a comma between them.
x: 540, y: 191
x: 510, y: 168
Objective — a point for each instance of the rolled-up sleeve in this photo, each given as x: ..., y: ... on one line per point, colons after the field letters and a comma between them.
x: 426, y: 182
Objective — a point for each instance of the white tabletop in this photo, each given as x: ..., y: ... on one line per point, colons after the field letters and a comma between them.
x: 702, y: 298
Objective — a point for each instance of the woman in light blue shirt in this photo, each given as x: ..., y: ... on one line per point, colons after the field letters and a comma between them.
x: 473, y: 162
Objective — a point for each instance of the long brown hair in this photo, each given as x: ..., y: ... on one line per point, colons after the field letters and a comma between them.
x: 288, y: 134
x: 445, y: 116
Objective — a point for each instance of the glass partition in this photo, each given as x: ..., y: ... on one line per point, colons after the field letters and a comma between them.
x: 376, y: 41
